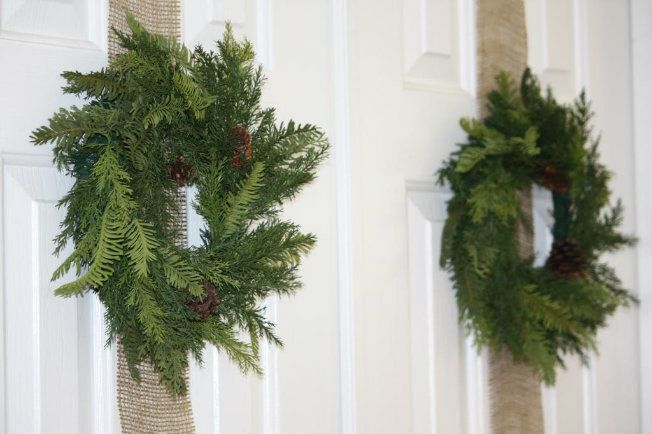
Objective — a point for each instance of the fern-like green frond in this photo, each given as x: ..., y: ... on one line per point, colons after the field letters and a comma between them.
x: 98, y: 84
x: 141, y: 246
x: 83, y: 253
x: 196, y: 100
x: 149, y: 312
x: 493, y: 143
x: 108, y: 250
x: 166, y: 110
x: 237, y: 205
x: 180, y: 274
x: 551, y: 313
x: 226, y: 340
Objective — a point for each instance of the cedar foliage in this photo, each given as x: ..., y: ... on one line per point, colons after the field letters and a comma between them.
x: 155, y: 103
x: 538, y: 315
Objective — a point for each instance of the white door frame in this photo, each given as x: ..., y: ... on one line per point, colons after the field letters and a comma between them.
x: 641, y: 58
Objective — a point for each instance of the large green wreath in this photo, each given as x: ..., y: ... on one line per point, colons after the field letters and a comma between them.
x: 537, y: 313
x: 159, y: 118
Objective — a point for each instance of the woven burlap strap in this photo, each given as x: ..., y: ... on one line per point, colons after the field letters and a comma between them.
x: 147, y: 407
x: 515, y: 391
x: 158, y: 16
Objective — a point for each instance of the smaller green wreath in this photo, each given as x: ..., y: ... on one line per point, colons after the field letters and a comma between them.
x: 539, y: 314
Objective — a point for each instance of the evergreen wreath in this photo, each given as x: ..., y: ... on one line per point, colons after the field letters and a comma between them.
x: 159, y: 118
x: 537, y: 313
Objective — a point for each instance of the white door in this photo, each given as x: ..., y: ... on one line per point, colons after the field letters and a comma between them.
x: 56, y: 376
x: 372, y: 341
x: 412, y: 73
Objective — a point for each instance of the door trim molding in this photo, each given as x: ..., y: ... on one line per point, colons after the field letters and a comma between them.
x: 342, y: 155
x: 641, y: 70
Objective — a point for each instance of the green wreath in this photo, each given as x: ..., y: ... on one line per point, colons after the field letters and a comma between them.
x: 158, y: 118
x: 537, y: 313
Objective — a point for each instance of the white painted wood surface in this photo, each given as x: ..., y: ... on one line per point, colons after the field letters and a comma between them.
x: 372, y: 341
x: 453, y: 397
x: 641, y: 51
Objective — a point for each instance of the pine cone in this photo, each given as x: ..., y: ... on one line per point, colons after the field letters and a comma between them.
x: 567, y: 260
x: 179, y: 171
x: 554, y: 180
x: 243, y: 151
x: 209, y: 304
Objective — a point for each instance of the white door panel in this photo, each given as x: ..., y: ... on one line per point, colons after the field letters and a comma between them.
x: 57, y: 374
x: 557, y: 44
x: 54, y: 375
x: 448, y: 375
x: 411, y: 80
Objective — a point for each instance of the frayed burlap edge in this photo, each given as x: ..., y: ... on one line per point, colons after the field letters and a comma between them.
x: 514, y: 389
x: 147, y: 407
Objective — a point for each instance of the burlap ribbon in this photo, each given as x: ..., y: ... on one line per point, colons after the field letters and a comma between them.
x: 158, y: 16
x: 147, y: 407
x: 515, y: 391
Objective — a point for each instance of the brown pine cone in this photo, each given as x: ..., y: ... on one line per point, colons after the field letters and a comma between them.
x: 209, y: 304
x: 179, y: 171
x: 243, y: 151
x: 554, y: 180
x: 567, y: 260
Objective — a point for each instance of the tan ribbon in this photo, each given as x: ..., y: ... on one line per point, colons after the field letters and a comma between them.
x: 158, y: 16
x: 147, y: 407
x: 515, y: 391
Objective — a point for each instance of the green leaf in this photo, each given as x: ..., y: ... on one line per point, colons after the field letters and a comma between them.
x: 496, y: 197
x: 493, y: 144
x: 469, y: 158
x: 114, y: 181
x: 168, y: 109
x: 149, y: 313
x: 196, y: 100
x: 100, y: 84
x: 238, y: 204
x: 108, y: 250
x: 83, y: 253
x: 141, y: 245
x: 551, y: 313
x: 226, y: 340
x: 180, y: 274
x: 448, y: 235
x: 482, y: 258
